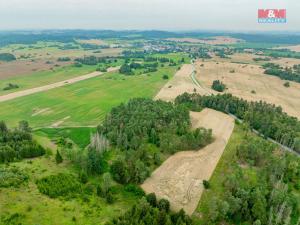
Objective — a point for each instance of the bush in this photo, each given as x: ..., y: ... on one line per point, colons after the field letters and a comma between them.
x: 163, y: 204
x: 12, y: 177
x: 58, y: 157
x: 18, y: 143
x: 165, y: 77
x: 286, y: 84
x: 60, y: 185
x: 151, y: 198
x: 218, y: 86
x: 10, y: 86
x: 206, y: 184
x: 135, y: 189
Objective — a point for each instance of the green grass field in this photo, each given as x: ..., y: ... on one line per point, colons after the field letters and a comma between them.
x: 44, y: 77
x: 84, y: 103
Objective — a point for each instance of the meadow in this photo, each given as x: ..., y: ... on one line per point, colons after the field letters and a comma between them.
x: 84, y: 103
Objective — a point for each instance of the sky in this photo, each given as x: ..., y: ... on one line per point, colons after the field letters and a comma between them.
x: 174, y: 15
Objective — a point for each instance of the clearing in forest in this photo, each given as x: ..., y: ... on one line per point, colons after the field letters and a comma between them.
x: 180, y: 178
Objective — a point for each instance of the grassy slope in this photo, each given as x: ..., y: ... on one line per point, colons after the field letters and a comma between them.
x: 86, y: 102
x: 27, y: 206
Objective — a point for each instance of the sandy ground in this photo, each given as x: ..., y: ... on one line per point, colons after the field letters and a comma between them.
x: 180, y: 178
x: 18, y: 94
x: 180, y: 83
x: 250, y: 77
x: 218, y: 40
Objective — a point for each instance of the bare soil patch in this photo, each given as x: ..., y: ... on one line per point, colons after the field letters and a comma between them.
x: 218, y: 40
x: 180, y: 83
x: 180, y: 178
x: 247, y: 78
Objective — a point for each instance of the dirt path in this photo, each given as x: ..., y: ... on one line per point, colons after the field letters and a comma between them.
x: 18, y: 94
x: 180, y: 83
x: 179, y: 179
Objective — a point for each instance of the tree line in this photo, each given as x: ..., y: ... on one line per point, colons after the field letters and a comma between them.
x: 150, y: 211
x: 287, y: 73
x: 266, y: 118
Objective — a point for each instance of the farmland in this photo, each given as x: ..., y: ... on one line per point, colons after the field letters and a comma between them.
x: 249, y: 82
x: 138, y: 136
x: 84, y: 103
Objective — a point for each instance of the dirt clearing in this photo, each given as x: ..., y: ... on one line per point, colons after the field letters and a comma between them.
x: 180, y: 83
x: 180, y: 178
x: 249, y: 82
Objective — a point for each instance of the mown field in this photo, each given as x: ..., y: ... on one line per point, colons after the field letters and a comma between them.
x: 83, y: 103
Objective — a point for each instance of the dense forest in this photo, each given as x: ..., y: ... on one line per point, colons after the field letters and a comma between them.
x: 17, y: 144
x: 143, y: 125
x: 258, y: 187
x: 266, y: 118
x: 287, y: 73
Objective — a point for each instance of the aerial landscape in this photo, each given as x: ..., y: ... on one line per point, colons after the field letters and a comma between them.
x: 148, y: 123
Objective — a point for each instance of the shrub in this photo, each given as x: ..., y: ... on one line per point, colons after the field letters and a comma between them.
x: 151, y: 198
x: 165, y: 77
x: 10, y: 86
x: 59, y: 185
x: 135, y: 189
x: 206, y: 184
x: 287, y: 84
x: 218, y: 86
x: 58, y: 158
x: 163, y: 204
x: 12, y: 177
